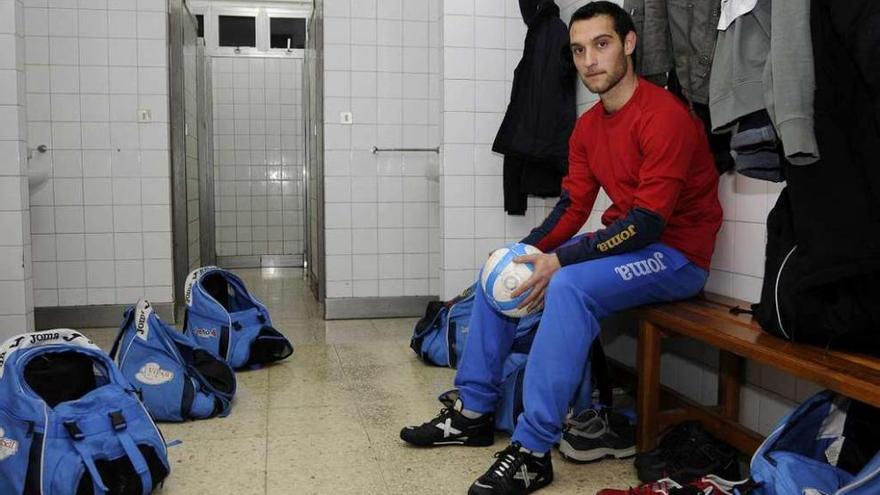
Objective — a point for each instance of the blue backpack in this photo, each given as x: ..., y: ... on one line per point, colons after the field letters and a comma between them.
x: 223, y: 317
x: 439, y: 337
x: 177, y: 378
x: 70, y: 422
x: 826, y: 446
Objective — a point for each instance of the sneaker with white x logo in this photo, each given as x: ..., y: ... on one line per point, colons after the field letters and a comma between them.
x: 451, y: 427
x: 514, y: 472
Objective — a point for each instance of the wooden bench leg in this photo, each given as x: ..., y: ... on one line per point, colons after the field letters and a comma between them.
x: 729, y: 381
x: 648, y: 395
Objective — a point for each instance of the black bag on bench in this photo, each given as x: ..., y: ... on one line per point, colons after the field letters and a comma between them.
x: 838, y: 310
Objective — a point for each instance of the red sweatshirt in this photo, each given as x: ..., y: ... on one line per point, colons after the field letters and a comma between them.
x: 651, y: 154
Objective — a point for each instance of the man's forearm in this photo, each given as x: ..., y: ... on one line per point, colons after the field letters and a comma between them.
x: 634, y: 231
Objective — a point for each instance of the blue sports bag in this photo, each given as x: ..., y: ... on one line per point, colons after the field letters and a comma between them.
x: 223, y: 317
x: 177, y: 378
x: 440, y: 336
x: 826, y: 446
x: 70, y: 423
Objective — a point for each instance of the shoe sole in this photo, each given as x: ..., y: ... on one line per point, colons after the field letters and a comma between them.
x: 581, y: 456
x: 531, y: 489
x: 470, y: 442
x: 537, y: 486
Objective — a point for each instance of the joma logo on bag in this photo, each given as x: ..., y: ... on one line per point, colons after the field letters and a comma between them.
x: 8, y: 446
x: 142, y: 314
x: 142, y: 319
x: 43, y: 337
x: 640, y: 268
x: 187, y: 296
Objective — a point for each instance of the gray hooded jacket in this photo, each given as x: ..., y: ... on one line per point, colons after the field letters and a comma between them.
x: 764, y: 60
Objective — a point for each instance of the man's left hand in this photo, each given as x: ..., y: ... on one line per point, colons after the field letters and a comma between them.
x: 545, y: 266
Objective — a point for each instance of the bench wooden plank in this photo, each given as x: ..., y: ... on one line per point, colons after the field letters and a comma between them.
x: 855, y: 376
x: 738, y: 337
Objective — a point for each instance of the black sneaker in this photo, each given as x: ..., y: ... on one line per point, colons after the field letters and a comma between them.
x: 514, y: 473
x: 669, y: 440
x: 689, y: 455
x: 450, y: 427
x: 595, y: 434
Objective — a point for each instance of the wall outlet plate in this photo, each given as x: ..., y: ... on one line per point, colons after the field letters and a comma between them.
x: 145, y: 115
x: 345, y: 118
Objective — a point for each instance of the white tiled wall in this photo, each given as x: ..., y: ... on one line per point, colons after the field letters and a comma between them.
x: 482, y: 44
x: 381, y: 63
x: 101, y: 223
x: 259, y: 160
x: 16, y: 283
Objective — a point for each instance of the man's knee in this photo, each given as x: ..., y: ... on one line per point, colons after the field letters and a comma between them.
x: 570, y: 287
x: 564, y: 282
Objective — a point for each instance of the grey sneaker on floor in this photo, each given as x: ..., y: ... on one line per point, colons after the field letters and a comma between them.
x: 595, y: 434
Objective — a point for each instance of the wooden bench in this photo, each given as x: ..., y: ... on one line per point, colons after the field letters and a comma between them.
x: 708, y: 319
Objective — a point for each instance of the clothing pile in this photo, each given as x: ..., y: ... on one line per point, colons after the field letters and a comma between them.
x: 789, y: 91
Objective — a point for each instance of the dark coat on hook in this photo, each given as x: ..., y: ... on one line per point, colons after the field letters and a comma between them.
x: 540, y: 117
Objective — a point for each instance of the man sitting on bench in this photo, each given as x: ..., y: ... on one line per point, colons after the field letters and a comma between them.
x: 651, y: 156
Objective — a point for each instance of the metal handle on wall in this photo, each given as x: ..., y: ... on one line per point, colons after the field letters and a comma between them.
x: 42, y: 149
x: 375, y: 149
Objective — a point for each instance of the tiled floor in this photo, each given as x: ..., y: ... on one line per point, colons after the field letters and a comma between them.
x: 326, y: 420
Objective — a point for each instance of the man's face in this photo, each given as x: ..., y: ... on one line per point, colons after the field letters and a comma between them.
x: 599, y: 54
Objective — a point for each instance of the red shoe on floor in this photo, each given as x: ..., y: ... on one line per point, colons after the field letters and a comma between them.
x: 659, y: 487
x: 707, y: 485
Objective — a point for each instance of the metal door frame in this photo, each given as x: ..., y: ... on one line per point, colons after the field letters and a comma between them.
x: 178, y: 13
x: 314, y: 128
x: 207, y: 241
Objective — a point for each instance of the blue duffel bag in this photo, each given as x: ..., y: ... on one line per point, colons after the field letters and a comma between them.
x: 829, y: 445
x: 177, y: 378
x: 70, y: 422
x: 440, y: 336
x: 223, y: 317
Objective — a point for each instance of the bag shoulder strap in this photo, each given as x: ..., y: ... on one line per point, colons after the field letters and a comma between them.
x: 76, y: 437
x: 126, y: 321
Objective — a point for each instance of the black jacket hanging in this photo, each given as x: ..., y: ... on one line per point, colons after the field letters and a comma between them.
x: 829, y: 286
x: 542, y: 111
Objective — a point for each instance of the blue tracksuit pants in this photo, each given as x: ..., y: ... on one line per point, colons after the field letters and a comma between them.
x: 578, y: 297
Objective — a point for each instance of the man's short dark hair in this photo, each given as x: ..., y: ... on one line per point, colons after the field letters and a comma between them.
x: 623, y: 23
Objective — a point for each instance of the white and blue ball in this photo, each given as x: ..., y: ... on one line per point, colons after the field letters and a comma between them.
x: 501, y: 276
